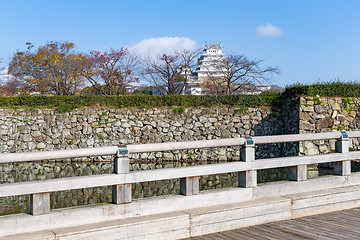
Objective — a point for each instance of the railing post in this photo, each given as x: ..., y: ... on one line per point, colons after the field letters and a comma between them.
x: 189, y: 186
x: 342, y: 168
x: 298, y: 173
x: 248, y: 178
x: 121, y: 193
x: 39, y: 203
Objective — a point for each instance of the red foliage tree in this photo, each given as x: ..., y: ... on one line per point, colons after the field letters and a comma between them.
x: 111, y: 72
x: 4, y: 91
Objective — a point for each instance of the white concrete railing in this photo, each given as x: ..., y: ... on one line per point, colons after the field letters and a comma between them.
x: 122, y: 178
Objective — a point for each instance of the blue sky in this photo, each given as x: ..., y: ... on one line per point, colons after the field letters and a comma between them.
x: 309, y: 40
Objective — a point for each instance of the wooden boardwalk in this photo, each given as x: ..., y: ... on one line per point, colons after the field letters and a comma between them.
x: 336, y: 225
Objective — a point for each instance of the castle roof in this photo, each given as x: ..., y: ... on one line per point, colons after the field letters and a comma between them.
x: 213, y: 46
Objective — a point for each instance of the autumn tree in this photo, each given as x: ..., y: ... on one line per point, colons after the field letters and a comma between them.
x: 13, y: 86
x: 4, y: 91
x: 111, y: 72
x: 9, y: 84
x: 3, y: 79
x: 236, y: 74
x: 54, y: 68
x: 171, y: 73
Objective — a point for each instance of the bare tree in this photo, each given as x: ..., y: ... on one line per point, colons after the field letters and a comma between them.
x: 170, y: 74
x: 111, y: 72
x: 237, y: 74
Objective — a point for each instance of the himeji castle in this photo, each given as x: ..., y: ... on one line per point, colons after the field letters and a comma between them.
x: 212, y: 52
x: 207, y: 61
x: 208, y: 67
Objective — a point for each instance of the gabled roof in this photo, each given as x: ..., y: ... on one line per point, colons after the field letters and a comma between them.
x: 213, y: 46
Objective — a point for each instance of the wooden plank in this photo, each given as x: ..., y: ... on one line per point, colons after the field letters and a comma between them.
x: 324, y: 227
x: 267, y: 233
x: 278, y: 233
x: 249, y: 233
x: 294, y: 224
x: 350, y: 221
x: 227, y: 235
x: 318, y: 227
x: 298, y: 230
x: 341, y: 225
x: 243, y: 235
x: 216, y: 236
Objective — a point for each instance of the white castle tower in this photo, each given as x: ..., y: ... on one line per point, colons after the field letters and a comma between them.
x: 207, y: 61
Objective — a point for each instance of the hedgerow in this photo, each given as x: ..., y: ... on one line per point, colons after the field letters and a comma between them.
x: 267, y: 98
x: 334, y: 88
x: 64, y: 103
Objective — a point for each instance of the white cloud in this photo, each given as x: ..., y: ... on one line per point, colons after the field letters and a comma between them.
x: 154, y: 47
x: 268, y: 31
x: 4, y: 76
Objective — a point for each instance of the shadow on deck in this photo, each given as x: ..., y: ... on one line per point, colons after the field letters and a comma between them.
x: 335, y: 225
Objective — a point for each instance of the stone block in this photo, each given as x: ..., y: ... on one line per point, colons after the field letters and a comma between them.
x: 306, y: 125
x: 324, y: 123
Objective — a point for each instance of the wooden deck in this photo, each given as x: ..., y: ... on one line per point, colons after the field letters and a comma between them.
x: 336, y: 225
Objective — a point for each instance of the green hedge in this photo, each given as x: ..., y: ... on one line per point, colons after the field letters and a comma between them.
x: 64, y: 103
x: 267, y: 98
x: 326, y: 89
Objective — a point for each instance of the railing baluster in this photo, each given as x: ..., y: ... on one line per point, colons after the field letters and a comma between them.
x: 189, y: 186
x: 39, y: 203
x: 248, y: 178
x: 342, y: 168
x: 298, y: 173
x: 121, y: 193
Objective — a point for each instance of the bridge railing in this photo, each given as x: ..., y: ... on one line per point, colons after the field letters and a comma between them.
x: 122, y: 178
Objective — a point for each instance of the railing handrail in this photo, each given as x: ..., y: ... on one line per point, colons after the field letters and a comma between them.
x: 57, y: 154
x: 170, y: 146
x: 61, y: 184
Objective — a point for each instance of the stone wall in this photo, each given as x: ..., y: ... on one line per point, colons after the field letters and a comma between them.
x: 324, y: 114
x: 24, y: 130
